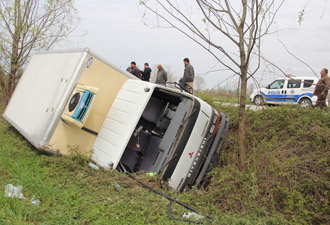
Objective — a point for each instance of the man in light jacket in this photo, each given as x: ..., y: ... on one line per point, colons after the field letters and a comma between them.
x: 322, y: 88
x: 189, y: 74
x: 161, y: 75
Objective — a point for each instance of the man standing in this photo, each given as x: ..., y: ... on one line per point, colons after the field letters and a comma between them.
x: 188, y: 75
x: 161, y: 75
x: 321, y: 89
x: 146, y: 72
x: 134, y: 70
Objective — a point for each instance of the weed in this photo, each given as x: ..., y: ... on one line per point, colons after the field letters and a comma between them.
x: 287, y: 179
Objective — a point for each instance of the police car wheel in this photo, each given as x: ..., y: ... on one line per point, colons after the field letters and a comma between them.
x: 305, y: 102
x: 258, y: 100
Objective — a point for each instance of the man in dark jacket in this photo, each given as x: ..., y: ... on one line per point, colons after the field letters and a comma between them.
x: 146, y: 72
x: 134, y: 70
x: 321, y: 89
x: 189, y: 74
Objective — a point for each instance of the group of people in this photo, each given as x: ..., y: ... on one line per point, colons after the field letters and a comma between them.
x: 161, y: 77
x: 322, y: 88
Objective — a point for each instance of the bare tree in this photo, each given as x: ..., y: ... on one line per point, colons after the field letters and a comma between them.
x: 250, y: 89
x: 170, y: 74
x: 27, y: 26
x: 302, y: 12
x: 231, y: 31
x: 199, y: 83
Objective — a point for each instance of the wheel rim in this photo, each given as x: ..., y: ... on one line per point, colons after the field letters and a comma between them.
x: 305, y: 103
x: 258, y: 100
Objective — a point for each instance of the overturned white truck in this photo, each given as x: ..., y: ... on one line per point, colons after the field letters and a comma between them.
x: 75, y: 100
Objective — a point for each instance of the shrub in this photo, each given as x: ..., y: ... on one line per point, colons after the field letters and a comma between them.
x: 288, y: 163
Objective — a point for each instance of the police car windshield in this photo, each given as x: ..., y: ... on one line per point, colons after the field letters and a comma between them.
x: 278, y: 84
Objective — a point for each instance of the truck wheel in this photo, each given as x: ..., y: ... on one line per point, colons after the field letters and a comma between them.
x: 305, y: 102
x: 258, y: 100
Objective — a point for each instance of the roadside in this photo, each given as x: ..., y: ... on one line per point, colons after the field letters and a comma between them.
x: 251, y: 107
x: 211, y: 97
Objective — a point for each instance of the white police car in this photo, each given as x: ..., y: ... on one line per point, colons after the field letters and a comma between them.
x: 289, y: 90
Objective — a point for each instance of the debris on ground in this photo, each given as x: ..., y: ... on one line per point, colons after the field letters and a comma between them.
x: 35, y: 201
x: 151, y: 174
x: 117, y: 185
x: 192, y: 215
x: 12, y: 191
x: 93, y: 166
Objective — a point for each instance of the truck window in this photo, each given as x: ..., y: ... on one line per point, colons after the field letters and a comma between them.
x: 308, y: 83
x: 278, y: 84
x: 294, y: 84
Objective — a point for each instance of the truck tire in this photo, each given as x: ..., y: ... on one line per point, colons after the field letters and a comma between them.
x: 305, y: 102
x: 258, y: 100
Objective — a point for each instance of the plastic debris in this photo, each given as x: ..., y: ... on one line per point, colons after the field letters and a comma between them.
x: 12, y: 191
x: 192, y: 215
x: 117, y: 185
x: 93, y: 166
x: 151, y: 174
x: 35, y: 201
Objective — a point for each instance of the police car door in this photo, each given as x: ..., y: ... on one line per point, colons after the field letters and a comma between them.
x: 293, y: 91
x: 275, y: 92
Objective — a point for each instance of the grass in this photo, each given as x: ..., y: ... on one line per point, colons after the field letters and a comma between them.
x: 72, y: 193
x: 288, y: 161
x: 214, y: 98
x: 287, y: 179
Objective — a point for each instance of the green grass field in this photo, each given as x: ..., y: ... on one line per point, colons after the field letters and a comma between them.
x: 215, y: 99
x: 70, y: 192
x: 287, y: 179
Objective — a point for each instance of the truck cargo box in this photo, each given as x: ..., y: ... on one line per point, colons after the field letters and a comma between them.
x: 49, y: 102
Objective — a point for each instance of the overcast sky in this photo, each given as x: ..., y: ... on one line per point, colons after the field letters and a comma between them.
x: 115, y: 30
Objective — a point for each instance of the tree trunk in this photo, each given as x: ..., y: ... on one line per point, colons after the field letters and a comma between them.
x: 241, y: 127
x: 14, y: 52
x: 244, y: 70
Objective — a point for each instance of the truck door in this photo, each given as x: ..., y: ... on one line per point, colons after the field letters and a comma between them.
x: 275, y: 92
x: 120, y: 123
x: 293, y: 91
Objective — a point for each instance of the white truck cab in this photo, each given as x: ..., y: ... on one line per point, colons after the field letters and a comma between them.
x: 74, y: 99
x: 152, y: 128
x: 289, y: 90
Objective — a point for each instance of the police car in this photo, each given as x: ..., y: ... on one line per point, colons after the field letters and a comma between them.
x: 288, y: 90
